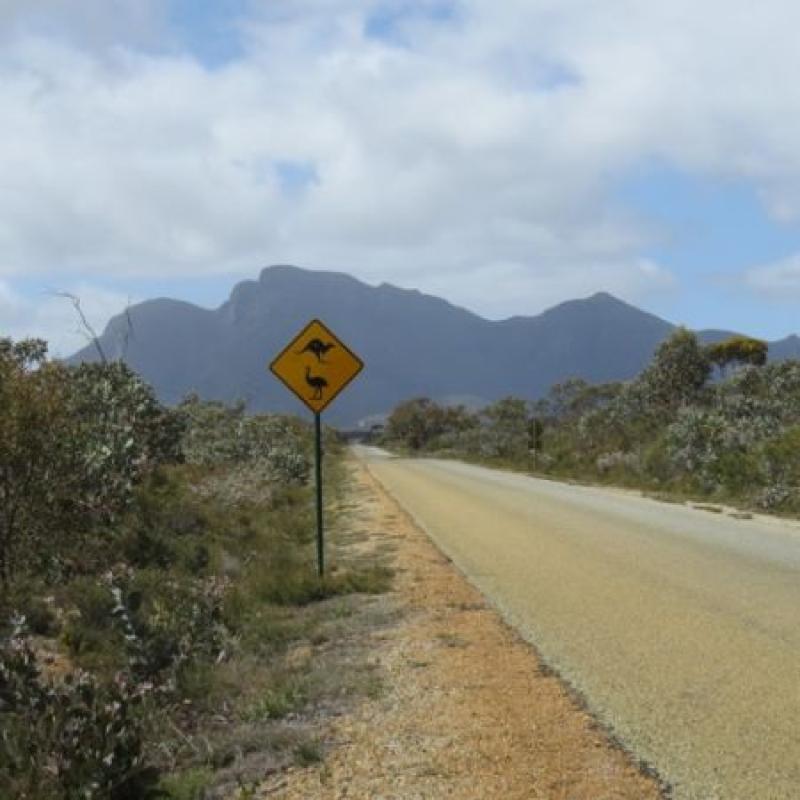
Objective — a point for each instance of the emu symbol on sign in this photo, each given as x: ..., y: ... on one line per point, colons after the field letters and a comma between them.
x: 317, y: 383
x: 318, y: 348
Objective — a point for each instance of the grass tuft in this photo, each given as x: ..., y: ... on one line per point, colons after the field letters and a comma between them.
x: 188, y: 785
x: 303, y: 587
x: 309, y: 753
x: 287, y: 696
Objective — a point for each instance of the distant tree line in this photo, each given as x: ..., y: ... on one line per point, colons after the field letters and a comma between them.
x: 712, y: 420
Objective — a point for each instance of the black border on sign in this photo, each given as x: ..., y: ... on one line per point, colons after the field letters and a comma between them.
x: 289, y: 347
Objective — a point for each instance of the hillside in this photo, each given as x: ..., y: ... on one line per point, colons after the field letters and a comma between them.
x: 412, y: 343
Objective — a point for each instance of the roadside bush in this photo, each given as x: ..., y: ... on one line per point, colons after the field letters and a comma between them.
x: 146, y: 622
x: 670, y: 428
x: 273, y: 447
x: 618, y: 462
x: 74, y: 443
x: 189, y: 785
x: 505, y: 434
x: 40, y: 617
x: 168, y: 527
x: 152, y: 627
x: 779, y: 464
x: 33, y: 430
x: 416, y: 423
x: 677, y: 373
x: 780, y: 458
x: 169, y: 623
x: 70, y: 738
x: 166, y: 549
x: 696, y: 441
x: 91, y: 634
x: 124, y: 432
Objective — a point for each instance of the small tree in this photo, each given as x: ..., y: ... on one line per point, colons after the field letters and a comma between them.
x: 737, y: 350
x: 565, y: 400
x: 416, y: 422
x: 74, y: 442
x: 677, y: 374
x: 507, y: 423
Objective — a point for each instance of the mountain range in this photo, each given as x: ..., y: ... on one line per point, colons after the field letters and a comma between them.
x: 412, y: 344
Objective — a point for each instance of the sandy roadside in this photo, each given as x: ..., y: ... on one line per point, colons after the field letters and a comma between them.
x: 467, y: 711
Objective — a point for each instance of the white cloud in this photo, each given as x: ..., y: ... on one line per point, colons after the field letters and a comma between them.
x: 477, y: 146
x: 95, y: 24
x: 519, y: 290
x: 780, y: 279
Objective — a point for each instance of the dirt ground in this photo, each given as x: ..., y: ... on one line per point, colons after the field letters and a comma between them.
x: 467, y: 711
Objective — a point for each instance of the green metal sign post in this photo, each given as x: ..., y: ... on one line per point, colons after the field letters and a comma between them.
x: 318, y: 475
x: 316, y: 365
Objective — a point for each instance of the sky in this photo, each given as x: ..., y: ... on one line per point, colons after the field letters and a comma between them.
x: 507, y: 156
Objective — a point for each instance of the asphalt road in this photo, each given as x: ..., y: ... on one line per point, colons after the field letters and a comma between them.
x: 680, y: 627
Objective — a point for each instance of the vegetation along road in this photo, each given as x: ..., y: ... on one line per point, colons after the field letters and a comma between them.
x: 678, y: 626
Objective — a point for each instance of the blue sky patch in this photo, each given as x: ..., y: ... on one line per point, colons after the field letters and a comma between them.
x: 387, y: 21
x: 534, y: 73
x: 208, y: 28
x: 295, y: 177
x: 714, y: 225
x: 713, y: 231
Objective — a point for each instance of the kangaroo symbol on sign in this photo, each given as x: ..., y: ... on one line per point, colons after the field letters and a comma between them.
x: 317, y: 383
x: 318, y: 348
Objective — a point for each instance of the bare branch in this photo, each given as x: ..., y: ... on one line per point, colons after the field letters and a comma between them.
x: 129, y: 332
x: 88, y: 329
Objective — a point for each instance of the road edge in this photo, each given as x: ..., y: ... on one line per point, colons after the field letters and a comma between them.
x: 514, y: 627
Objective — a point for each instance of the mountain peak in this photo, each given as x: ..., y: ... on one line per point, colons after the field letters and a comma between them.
x: 283, y: 274
x: 603, y: 297
x: 413, y: 343
x: 599, y: 302
x: 279, y: 270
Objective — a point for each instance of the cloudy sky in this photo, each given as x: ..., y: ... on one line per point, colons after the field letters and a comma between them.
x: 505, y: 155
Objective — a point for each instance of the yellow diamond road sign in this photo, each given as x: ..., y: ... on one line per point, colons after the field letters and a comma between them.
x: 316, y: 366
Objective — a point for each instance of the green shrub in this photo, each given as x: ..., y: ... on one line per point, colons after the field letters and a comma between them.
x: 91, y: 633
x: 670, y: 428
x: 74, y: 443
x: 40, y: 617
x: 302, y: 586
x: 196, y: 682
x: 780, y: 458
x: 277, y: 446
x: 261, y: 627
x: 779, y: 467
x: 75, y: 738
x: 737, y: 473
x: 188, y: 785
x: 308, y: 753
x: 168, y: 527
x: 170, y: 623
x: 286, y: 696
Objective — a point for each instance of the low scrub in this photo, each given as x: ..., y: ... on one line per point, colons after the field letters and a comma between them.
x: 713, y: 421
x: 155, y: 566
x: 75, y: 736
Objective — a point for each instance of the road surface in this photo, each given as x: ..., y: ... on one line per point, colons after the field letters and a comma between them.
x: 680, y: 627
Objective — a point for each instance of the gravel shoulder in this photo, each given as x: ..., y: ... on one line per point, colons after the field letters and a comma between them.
x: 467, y: 709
